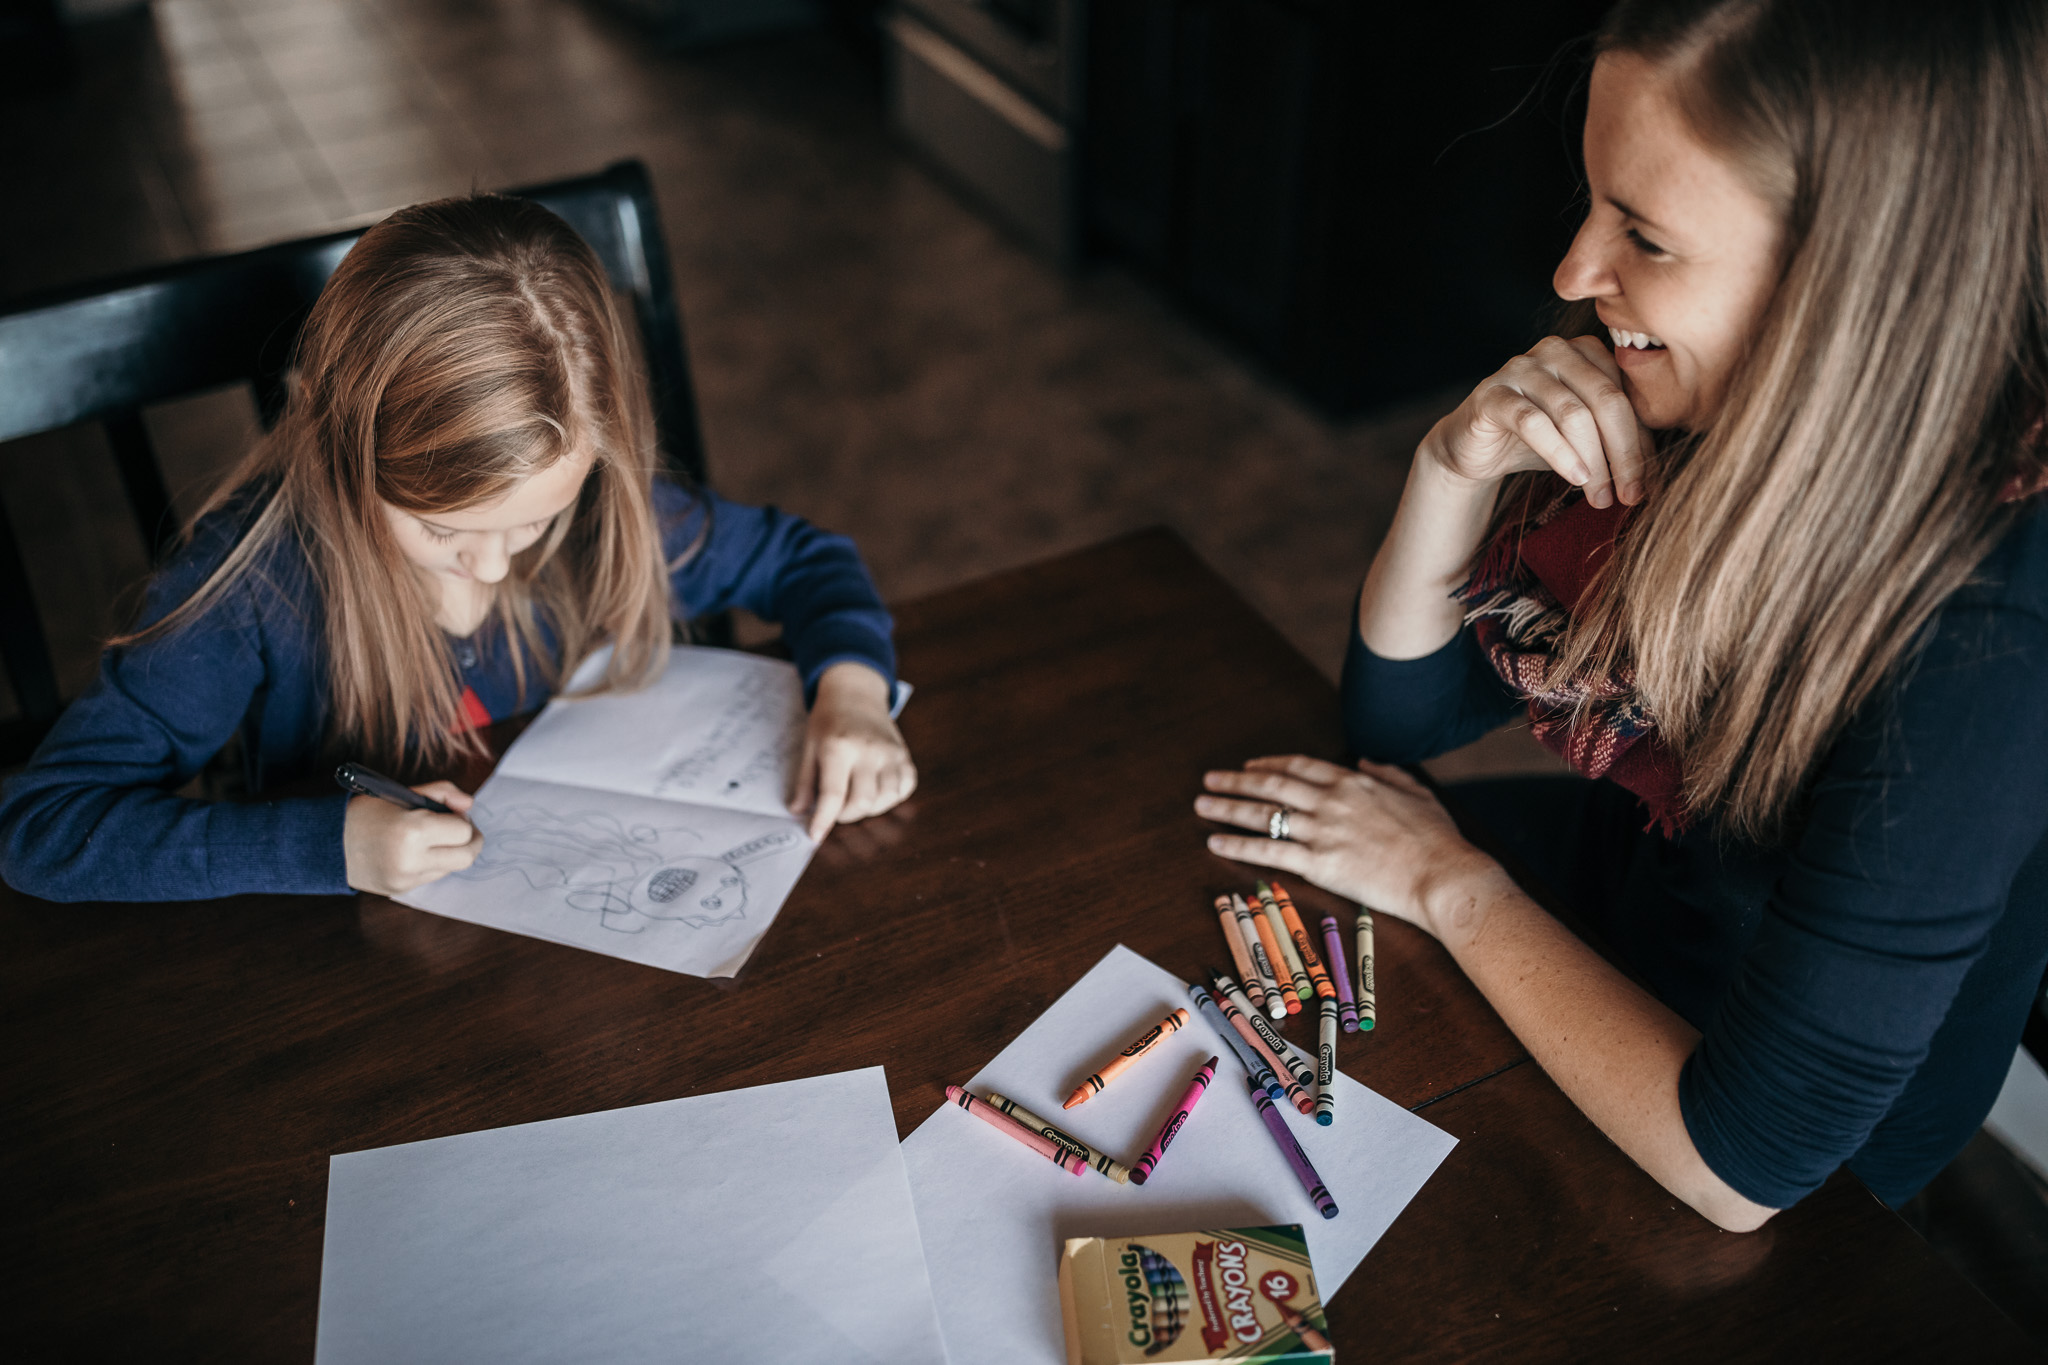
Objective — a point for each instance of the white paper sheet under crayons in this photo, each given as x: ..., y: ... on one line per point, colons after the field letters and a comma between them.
x: 772, y: 1223
x: 650, y: 826
x: 995, y: 1214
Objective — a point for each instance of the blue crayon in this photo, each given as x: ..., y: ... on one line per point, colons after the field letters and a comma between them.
x: 1254, y: 1065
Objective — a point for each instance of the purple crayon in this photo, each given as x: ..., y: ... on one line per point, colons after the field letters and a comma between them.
x: 1333, y: 947
x: 1142, y: 1170
x: 1318, y: 1193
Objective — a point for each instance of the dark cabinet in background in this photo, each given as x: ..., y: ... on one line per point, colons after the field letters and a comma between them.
x: 1370, y: 197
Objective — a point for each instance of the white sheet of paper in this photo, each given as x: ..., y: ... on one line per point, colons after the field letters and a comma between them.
x: 995, y: 1215
x: 767, y: 1223
x: 649, y: 826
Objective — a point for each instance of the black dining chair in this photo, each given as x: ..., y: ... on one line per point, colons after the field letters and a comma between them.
x: 104, y: 351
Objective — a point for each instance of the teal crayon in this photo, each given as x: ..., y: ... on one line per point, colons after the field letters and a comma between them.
x: 1304, y: 1075
x: 1248, y: 1057
x: 1101, y: 1161
x: 1169, y: 1130
x: 1368, y: 1001
x: 1326, y: 1061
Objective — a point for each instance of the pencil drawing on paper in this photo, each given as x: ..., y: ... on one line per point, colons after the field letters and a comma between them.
x: 632, y: 876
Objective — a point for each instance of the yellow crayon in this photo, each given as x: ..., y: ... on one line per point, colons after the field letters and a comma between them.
x: 1368, y: 1006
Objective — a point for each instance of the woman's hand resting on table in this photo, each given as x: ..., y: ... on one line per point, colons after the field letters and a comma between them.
x: 1371, y: 834
x: 855, y: 763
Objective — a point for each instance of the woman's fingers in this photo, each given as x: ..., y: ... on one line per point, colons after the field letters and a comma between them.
x: 1308, y: 769
x: 1266, y: 785
x: 1251, y: 815
x: 448, y: 794
x: 806, y: 794
x: 1622, y: 433
x: 1283, y: 854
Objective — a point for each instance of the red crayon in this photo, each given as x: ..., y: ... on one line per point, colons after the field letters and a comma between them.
x: 1146, y: 1164
x: 1068, y: 1161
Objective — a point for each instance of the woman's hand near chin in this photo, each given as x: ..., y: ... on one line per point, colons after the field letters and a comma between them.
x: 1559, y: 406
x: 1374, y: 834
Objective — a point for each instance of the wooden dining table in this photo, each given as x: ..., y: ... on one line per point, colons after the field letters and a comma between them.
x: 177, y: 1075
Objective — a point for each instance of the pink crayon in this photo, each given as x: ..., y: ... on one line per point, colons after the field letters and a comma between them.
x: 1070, y: 1162
x: 1347, y: 1003
x: 1146, y: 1164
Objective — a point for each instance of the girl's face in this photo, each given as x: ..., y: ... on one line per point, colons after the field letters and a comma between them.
x: 475, y: 544
x: 1678, y: 253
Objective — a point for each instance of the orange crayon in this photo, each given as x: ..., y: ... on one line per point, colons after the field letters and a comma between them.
x: 1318, y: 974
x: 1172, y: 1023
x: 1226, y: 914
x: 1304, y: 989
x: 1289, y: 998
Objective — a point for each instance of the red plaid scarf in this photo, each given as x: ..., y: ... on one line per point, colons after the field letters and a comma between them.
x: 1523, y: 592
x: 1521, y: 595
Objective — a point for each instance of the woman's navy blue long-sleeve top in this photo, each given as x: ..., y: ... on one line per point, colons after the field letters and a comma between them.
x: 1859, y: 988
x: 96, y: 814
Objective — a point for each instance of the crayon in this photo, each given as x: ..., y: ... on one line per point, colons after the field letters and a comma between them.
x: 1227, y: 915
x: 1248, y: 1054
x: 1093, y: 1086
x: 1149, y: 1162
x: 1298, y: 981
x: 1115, y: 1170
x: 1318, y: 975
x: 1280, y: 1050
x: 1311, y: 1339
x: 1297, y: 1160
x: 1333, y: 944
x: 1249, y: 923
x: 1037, y: 1142
x: 1271, y: 931
x: 1368, y: 1004
x: 1326, y: 1061
x: 1235, y: 1009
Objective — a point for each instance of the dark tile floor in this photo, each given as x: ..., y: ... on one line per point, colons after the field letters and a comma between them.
x: 868, y: 352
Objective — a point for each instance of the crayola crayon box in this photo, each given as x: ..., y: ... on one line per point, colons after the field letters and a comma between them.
x: 1244, y: 1294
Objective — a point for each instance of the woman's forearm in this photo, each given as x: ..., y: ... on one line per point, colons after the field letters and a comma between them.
x: 1614, y: 1049
x: 1406, y: 610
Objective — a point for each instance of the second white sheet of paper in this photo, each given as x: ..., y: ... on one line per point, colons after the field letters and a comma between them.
x: 770, y: 1223
x: 994, y: 1215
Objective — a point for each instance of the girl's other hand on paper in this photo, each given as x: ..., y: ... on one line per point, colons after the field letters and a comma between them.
x: 855, y: 763
x: 1372, y: 834
x: 388, y: 849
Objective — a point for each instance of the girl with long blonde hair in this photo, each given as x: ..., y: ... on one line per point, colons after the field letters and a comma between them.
x: 1758, y: 553
x: 462, y: 500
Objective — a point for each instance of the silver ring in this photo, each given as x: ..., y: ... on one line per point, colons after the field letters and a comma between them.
x: 1276, y: 824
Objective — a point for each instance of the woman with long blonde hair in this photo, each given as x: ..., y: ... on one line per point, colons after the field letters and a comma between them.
x: 1758, y: 552
x: 461, y: 502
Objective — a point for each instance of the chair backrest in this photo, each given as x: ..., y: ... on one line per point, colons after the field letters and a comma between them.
x: 106, y: 350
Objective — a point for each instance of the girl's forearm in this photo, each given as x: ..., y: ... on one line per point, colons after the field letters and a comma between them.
x: 1614, y: 1049
x: 1406, y: 609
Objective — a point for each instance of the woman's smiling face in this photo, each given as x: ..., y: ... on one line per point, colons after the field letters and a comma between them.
x: 1679, y: 253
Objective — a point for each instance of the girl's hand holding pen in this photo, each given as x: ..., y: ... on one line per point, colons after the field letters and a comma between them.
x: 855, y: 763
x: 390, y: 849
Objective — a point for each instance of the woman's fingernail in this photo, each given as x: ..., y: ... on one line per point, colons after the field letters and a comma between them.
x: 1216, y: 843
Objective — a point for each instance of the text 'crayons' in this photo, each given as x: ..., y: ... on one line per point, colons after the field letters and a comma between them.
x: 1059, y: 1156
x: 1144, y: 1043
x: 1168, y: 1131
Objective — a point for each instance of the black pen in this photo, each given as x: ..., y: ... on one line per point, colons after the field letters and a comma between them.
x: 363, y: 781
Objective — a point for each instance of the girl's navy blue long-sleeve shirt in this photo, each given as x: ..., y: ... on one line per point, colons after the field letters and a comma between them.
x: 1861, y: 987
x: 96, y: 814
